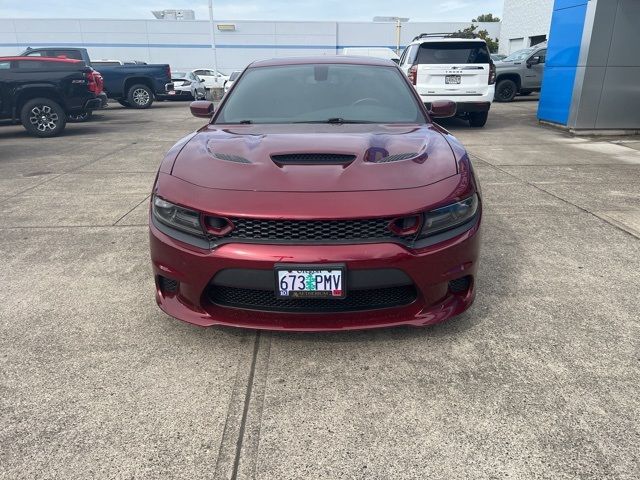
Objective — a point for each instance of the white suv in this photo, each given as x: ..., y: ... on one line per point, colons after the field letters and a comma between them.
x: 457, y: 69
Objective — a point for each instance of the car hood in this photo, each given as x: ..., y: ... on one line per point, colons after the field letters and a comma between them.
x: 239, y: 157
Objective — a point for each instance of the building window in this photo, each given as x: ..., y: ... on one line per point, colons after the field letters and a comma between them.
x: 535, y: 40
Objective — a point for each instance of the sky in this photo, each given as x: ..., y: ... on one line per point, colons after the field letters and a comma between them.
x: 344, y: 10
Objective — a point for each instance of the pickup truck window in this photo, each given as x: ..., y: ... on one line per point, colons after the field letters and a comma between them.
x: 5, y: 65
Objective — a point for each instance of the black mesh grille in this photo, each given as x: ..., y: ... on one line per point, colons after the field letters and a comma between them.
x: 310, y: 230
x: 356, y: 300
x: 313, y: 158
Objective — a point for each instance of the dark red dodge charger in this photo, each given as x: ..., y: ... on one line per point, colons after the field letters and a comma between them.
x: 320, y: 196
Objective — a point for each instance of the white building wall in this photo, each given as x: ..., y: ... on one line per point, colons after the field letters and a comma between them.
x: 186, y: 44
x: 523, y: 19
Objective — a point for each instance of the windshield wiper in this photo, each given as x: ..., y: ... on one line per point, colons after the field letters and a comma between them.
x: 336, y: 120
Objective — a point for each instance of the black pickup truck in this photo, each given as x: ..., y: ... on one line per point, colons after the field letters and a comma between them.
x: 134, y: 86
x: 42, y: 92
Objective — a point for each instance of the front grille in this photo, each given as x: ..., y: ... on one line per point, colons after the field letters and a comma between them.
x: 310, y: 230
x: 356, y: 300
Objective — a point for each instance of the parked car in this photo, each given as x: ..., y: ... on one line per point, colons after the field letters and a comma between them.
x: 212, y: 79
x: 520, y: 73
x: 134, y: 86
x: 496, y: 57
x: 232, y: 79
x: 41, y: 92
x: 186, y: 86
x: 377, y: 52
x: 319, y: 196
x: 458, y: 69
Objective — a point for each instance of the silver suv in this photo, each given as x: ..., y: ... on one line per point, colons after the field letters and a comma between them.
x: 520, y: 73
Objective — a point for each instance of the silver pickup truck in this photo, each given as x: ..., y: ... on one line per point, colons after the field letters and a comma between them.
x: 520, y: 73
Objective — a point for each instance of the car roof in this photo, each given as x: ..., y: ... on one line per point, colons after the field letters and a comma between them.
x: 41, y: 59
x: 324, y: 59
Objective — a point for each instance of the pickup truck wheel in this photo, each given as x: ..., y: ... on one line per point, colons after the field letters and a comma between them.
x: 43, y: 117
x: 80, y: 117
x: 478, y: 119
x: 140, y: 96
x: 506, y: 90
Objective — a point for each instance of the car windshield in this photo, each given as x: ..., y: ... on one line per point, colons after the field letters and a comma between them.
x: 322, y: 93
x: 453, y: 52
x: 518, y: 55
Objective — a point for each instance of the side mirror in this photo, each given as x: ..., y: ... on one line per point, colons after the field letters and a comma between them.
x: 533, y: 61
x: 443, y: 109
x: 396, y: 61
x: 201, y: 108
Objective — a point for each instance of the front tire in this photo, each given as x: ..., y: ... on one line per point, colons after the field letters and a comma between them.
x: 478, y: 119
x: 43, y: 117
x: 140, y: 96
x: 506, y: 90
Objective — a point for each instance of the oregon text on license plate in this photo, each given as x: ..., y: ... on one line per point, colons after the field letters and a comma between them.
x: 452, y: 79
x: 309, y: 282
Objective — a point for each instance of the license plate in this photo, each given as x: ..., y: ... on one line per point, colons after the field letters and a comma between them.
x: 310, y: 281
x: 452, y: 79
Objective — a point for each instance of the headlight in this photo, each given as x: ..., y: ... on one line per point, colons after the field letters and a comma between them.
x: 177, y: 217
x: 451, y: 216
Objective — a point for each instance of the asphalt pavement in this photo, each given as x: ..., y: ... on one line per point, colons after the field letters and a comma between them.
x: 539, y: 379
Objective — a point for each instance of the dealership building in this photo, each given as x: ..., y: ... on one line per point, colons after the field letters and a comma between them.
x: 524, y: 23
x: 186, y: 44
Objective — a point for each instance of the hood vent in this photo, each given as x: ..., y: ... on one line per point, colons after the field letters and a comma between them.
x: 395, y: 158
x: 313, y: 159
x: 230, y: 158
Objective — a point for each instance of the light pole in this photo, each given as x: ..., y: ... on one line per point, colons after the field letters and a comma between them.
x: 213, y: 42
x: 398, y: 21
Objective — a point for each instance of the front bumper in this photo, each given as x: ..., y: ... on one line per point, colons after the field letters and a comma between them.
x: 430, y: 269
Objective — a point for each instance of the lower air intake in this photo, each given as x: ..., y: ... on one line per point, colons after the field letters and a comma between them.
x: 356, y: 300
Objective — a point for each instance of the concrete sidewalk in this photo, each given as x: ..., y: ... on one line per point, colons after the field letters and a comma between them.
x: 539, y: 379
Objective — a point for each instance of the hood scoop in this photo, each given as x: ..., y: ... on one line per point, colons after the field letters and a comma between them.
x: 227, y: 157
x: 312, y: 159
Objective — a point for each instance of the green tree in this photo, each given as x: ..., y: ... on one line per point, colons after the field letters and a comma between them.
x: 486, y: 17
x: 470, y: 32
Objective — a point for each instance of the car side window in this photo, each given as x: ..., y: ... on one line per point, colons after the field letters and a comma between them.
x: 5, y: 65
x: 403, y: 56
x: 411, y: 54
x: 200, y: 72
x: 540, y: 55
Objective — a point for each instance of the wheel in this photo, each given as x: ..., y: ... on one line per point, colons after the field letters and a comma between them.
x: 506, y: 90
x: 124, y: 103
x: 140, y: 96
x: 80, y: 117
x: 478, y: 119
x: 43, y: 117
